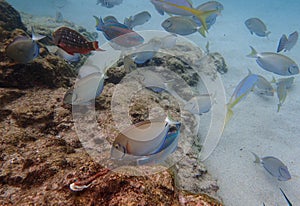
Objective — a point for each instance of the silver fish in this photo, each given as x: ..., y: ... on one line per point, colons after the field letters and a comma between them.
x: 263, y: 87
x: 180, y: 25
x: 199, y: 104
x: 257, y: 26
x: 138, y: 19
x: 142, y: 139
x: 276, y: 63
x: 23, y: 49
x: 274, y: 166
x: 287, y: 44
x: 85, y: 89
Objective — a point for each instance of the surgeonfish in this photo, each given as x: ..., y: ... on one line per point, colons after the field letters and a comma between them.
x: 241, y: 91
x: 199, y: 104
x: 86, y: 89
x: 182, y: 8
x: 73, y: 42
x: 263, y: 87
x: 285, y: 197
x: 118, y: 33
x: 138, y: 19
x: 276, y: 63
x: 274, y: 166
x: 142, y: 139
x: 257, y: 26
x: 109, y: 3
x: 24, y: 49
x: 286, y: 44
x: 180, y: 25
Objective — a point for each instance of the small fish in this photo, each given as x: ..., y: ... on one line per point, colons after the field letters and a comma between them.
x: 263, y: 87
x: 59, y: 17
x: 281, y: 94
x: 73, y: 42
x: 182, y: 8
x: 138, y: 19
x: 24, y: 49
x: 288, y: 201
x: 276, y: 63
x: 86, y: 89
x: 199, y: 104
x: 287, y: 44
x: 118, y: 33
x: 142, y: 139
x: 75, y: 58
x: 274, y: 166
x: 257, y: 26
x: 109, y: 3
x: 241, y: 91
x: 180, y: 25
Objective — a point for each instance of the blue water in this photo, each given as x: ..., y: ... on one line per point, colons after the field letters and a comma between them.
x: 256, y: 126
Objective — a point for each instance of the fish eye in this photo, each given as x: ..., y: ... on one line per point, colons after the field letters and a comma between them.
x: 293, y: 69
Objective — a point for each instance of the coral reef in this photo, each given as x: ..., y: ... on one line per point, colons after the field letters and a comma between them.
x: 41, y: 153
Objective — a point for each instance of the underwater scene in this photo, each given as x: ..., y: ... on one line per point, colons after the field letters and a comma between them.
x: 152, y: 102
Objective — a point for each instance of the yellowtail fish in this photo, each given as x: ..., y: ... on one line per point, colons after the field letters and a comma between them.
x: 24, y: 49
x: 257, y: 26
x: 183, y: 8
x: 286, y: 44
x: 276, y: 63
x: 85, y: 89
x: 242, y: 90
x: 142, y: 139
x: 274, y: 167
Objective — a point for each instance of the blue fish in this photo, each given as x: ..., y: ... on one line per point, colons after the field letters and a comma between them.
x: 118, y: 33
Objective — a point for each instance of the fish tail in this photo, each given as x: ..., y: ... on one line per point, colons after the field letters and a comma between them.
x: 99, y: 23
x: 257, y: 159
x: 229, y: 114
x: 202, y: 31
x: 202, y: 15
x: 96, y: 46
x: 36, y: 36
x: 253, y: 53
x: 278, y: 107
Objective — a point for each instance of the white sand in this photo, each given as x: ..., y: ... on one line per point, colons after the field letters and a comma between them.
x: 256, y: 126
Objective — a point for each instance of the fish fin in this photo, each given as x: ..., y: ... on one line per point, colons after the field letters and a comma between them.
x: 229, y: 115
x: 283, y: 40
x: 289, y: 202
x: 279, y: 106
x: 36, y: 37
x: 202, y: 15
x: 253, y: 53
x: 96, y: 46
x: 99, y: 23
x: 201, y: 30
x: 257, y: 159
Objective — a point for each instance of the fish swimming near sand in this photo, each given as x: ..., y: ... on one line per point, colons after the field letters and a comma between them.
x: 263, y: 87
x: 109, y: 3
x: 142, y: 139
x: 274, y: 166
x: 182, y: 8
x: 73, y: 42
x: 276, y: 63
x: 138, y: 19
x: 257, y: 26
x: 85, y: 90
x: 286, y: 44
x: 118, y: 33
x: 24, y: 49
x: 180, y: 25
x: 285, y: 197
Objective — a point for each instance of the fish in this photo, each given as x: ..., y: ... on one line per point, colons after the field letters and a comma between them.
x: 118, y: 33
x: 180, y: 25
x: 73, y: 42
x: 276, y: 63
x: 257, y: 26
x: 24, y: 49
x: 199, y: 104
x: 85, y: 89
x: 142, y: 139
x: 241, y: 91
x: 75, y: 58
x: 288, y: 82
x: 286, y: 44
x: 263, y: 87
x: 182, y: 8
x: 138, y: 19
x: 285, y: 197
x: 274, y: 167
x: 281, y: 94
x: 109, y: 3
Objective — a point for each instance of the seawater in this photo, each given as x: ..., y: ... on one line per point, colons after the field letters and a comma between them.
x: 256, y: 126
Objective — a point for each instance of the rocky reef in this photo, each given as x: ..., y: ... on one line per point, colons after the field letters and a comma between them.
x: 41, y: 153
